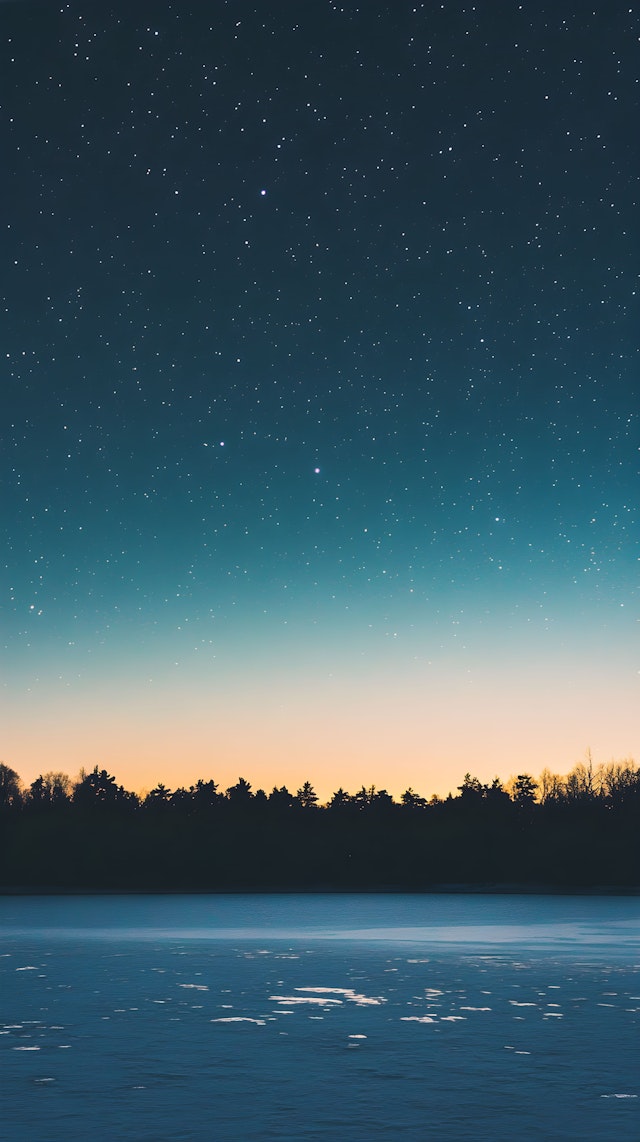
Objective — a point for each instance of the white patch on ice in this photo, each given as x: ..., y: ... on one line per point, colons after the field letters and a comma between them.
x: 349, y: 994
x: 328, y: 990
x: 304, y: 999
x: 515, y: 1003
x: 452, y: 1018
x: 475, y: 1009
x: 417, y: 1019
x: 239, y: 1019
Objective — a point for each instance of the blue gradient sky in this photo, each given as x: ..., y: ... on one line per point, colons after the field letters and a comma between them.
x: 320, y: 329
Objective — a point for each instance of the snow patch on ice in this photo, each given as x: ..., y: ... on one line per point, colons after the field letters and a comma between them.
x: 349, y: 994
x: 239, y: 1019
x: 304, y: 999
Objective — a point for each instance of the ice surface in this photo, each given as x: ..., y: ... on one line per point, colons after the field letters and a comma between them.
x: 318, y: 1037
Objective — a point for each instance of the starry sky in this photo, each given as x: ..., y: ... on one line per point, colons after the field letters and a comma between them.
x: 320, y: 431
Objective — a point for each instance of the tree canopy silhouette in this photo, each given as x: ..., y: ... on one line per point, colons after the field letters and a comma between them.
x: 581, y: 829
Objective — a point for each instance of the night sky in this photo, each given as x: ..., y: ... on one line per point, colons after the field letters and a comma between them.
x: 320, y: 431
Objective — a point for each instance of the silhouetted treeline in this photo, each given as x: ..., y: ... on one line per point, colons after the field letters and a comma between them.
x: 91, y: 833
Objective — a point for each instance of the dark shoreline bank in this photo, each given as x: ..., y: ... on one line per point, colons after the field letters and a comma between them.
x: 328, y: 890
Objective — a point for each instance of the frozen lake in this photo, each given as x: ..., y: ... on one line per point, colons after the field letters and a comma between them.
x: 166, y: 1018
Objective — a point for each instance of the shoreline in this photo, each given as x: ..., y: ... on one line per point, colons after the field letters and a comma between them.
x: 328, y: 890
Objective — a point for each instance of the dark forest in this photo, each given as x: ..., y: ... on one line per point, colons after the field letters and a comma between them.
x: 579, y: 831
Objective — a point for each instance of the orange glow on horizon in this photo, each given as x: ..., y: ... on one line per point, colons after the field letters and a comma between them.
x: 419, y: 728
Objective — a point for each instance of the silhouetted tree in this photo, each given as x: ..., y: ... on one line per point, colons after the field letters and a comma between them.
x: 307, y: 797
x: 158, y: 798
x: 10, y: 787
x: 240, y: 794
x: 100, y: 788
x: 204, y: 794
x: 51, y: 789
x: 364, y: 797
x: 340, y: 799
x: 281, y: 798
x: 381, y: 799
x: 413, y: 800
x: 523, y: 791
x: 551, y: 788
x: 579, y: 785
x: 495, y: 794
x: 472, y: 790
x: 619, y: 782
x: 180, y: 799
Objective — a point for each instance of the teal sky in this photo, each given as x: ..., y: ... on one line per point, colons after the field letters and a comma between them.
x: 320, y: 363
